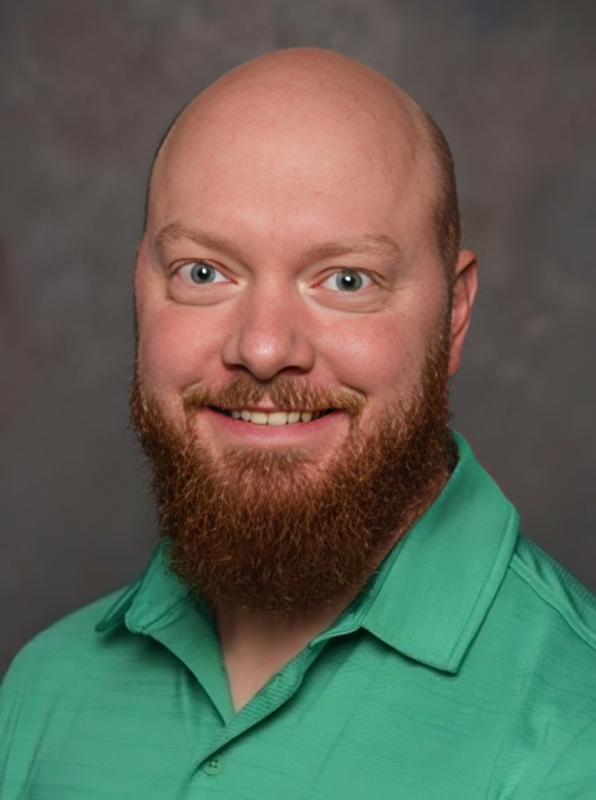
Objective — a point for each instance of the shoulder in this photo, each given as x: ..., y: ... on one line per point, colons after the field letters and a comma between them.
x: 46, y: 685
x: 559, y: 603
x: 538, y: 643
x: 544, y: 622
x: 56, y: 651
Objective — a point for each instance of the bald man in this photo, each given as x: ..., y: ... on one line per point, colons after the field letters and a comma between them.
x: 342, y: 605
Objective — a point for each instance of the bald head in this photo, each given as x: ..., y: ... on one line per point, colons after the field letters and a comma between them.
x: 314, y: 110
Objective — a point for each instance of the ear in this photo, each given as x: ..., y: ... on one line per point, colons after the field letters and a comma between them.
x: 464, y: 286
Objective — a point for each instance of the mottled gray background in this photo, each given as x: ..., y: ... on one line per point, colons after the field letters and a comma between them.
x: 88, y: 86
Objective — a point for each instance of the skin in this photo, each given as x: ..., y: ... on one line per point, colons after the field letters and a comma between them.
x: 285, y: 171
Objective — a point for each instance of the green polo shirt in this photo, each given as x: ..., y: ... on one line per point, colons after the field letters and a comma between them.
x: 466, y: 669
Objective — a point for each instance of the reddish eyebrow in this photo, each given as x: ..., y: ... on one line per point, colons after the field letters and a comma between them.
x: 374, y: 244
x: 174, y: 232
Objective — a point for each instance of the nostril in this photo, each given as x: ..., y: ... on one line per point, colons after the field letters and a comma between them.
x: 266, y: 344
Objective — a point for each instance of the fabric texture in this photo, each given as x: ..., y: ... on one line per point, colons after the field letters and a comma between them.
x: 466, y: 669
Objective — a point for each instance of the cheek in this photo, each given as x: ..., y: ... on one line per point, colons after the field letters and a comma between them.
x: 176, y: 346
x: 379, y: 357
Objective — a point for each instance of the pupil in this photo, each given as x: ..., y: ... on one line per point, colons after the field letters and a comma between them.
x: 202, y: 273
x: 349, y: 281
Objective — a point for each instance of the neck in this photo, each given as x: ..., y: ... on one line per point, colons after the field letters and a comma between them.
x: 255, y: 646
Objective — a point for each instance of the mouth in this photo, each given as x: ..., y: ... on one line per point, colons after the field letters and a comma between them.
x: 274, y: 419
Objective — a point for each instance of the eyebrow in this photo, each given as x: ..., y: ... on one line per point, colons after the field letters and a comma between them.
x: 174, y: 232
x: 373, y: 244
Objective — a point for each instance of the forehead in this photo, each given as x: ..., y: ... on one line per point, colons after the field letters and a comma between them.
x: 274, y: 157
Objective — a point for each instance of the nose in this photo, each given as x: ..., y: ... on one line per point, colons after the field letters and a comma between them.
x: 269, y: 335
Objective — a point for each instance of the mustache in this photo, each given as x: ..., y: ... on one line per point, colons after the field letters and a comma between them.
x: 283, y: 393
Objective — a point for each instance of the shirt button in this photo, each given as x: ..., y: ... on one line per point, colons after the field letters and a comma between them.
x: 214, y: 766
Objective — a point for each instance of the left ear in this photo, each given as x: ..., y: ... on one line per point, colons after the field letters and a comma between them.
x: 464, y: 286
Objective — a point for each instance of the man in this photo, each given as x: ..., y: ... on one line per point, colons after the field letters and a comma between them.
x: 342, y: 605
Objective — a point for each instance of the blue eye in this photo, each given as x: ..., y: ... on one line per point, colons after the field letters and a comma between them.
x: 347, y: 280
x: 201, y: 272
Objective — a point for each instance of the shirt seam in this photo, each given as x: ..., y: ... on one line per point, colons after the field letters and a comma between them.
x: 585, y: 633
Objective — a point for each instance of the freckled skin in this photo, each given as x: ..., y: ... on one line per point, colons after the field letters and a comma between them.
x: 286, y: 153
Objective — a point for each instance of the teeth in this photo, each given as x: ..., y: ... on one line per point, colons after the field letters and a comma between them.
x: 275, y: 418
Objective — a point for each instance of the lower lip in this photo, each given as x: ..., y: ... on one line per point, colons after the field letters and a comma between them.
x: 249, y: 432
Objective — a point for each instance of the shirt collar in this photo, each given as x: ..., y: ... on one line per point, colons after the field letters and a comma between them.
x: 428, y: 598
x: 150, y: 600
x: 433, y: 591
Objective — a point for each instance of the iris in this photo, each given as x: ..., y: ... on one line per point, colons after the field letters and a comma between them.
x: 348, y: 281
x: 201, y: 272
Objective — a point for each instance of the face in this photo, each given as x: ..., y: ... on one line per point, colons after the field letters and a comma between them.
x: 289, y: 292
x: 274, y: 256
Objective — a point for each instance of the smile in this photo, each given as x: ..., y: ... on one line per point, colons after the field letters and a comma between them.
x: 274, y: 418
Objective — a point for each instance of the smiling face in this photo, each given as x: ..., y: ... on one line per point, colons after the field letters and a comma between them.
x: 286, y: 237
x: 289, y: 284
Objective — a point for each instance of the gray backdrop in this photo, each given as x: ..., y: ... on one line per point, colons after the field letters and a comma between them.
x: 88, y: 86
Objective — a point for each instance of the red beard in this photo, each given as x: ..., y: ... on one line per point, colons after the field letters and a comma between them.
x: 271, y: 533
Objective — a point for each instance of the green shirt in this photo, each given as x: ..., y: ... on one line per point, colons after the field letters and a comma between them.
x: 466, y: 669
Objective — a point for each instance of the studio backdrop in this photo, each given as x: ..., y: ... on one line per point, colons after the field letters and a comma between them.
x: 89, y: 86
